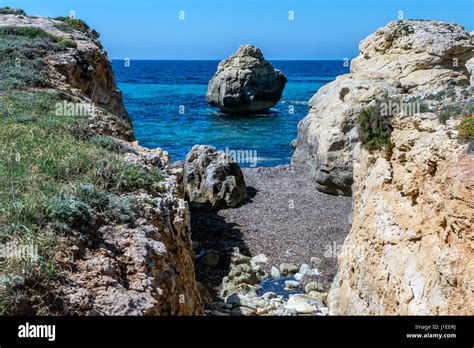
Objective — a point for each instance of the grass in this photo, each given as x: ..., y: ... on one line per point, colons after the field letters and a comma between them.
x: 375, y: 130
x: 22, y: 52
x: 52, y: 183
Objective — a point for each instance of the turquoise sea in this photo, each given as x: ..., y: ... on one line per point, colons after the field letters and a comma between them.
x: 166, y: 101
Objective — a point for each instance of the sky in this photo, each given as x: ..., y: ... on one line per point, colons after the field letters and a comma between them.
x: 213, y: 29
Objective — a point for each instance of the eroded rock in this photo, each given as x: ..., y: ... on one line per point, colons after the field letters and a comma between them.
x: 212, y: 179
x: 246, y: 83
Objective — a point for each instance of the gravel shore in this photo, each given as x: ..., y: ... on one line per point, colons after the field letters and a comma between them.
x: 285, y: 218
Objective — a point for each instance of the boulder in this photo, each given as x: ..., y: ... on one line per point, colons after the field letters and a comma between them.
x: 246, y: 83
x: 212, y: 179
x: 415, y: 54
x: 303, y: 304
x: 275, y: 273
x: 314, y: 286
x: 288, y: 269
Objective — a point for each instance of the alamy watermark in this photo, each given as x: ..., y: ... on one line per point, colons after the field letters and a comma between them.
x: 17, y: 251
x: 70, y: 109
x: 334, y: 250
x: 249, y: 157
x: 395, y: 107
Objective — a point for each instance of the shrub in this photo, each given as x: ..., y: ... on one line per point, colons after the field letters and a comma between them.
x: 120, y: 209
x: 29, y: 32
x: 22, y: 50
x: 375, y: 129
x: 106, y: 142
x: 70, y: 24
x: 466, y: 128
x: 13, y: 11
x: 343, y: 92
x: 72, y: 212
x: 68, y: 43
x: 449, y: 111
x: 90, y: 195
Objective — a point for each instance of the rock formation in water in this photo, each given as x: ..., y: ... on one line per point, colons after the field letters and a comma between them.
x: 390, y: 133
x: 245, y: 83
x: 140, y: 262
x: 213, y: 179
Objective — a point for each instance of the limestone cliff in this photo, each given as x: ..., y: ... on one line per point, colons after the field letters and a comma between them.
x: 410, y: 249
x: 138, y: 263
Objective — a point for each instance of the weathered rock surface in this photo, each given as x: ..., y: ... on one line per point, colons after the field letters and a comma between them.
x: 410, y: 249
x: 212, y: 179
x: 416, y: 55
x: 145, y: 269
x: 405, y: 56
x: 246, y: 83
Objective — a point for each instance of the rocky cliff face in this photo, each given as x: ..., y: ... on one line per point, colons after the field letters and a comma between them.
x: 141, y: 262
x: 378, y: 133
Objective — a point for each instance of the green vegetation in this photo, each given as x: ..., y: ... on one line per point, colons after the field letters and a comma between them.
x: 8, y: 10
x: 58, y: 182
x: 343, y: 92
x: 416, y: 104
x: 375, y: 130
x: 455, y: 111
x: 55, y: 180
x: 466, y: 128
x: 22, y: 50
x: 68, y: 24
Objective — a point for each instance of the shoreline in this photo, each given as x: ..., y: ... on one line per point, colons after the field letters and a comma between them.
x: 284, y: 217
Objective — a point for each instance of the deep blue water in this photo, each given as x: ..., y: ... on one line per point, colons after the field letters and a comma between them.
x: 155, y: 93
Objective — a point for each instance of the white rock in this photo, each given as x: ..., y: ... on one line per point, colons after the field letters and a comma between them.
x: 298, y: 276
x: 315, y: 262
x: 275, y: 273
x: 260, y: 258
x: 324, y: 310
x: 294, y: 304
x: 304, y: 269
x: 269, y: 295
x: 292, y: 285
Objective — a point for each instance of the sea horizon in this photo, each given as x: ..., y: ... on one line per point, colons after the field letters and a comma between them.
x: 166, y: 102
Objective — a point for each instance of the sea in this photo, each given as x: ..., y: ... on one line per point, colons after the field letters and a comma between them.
x: 167, y: 105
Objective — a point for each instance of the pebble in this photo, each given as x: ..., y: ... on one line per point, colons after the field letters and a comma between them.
x: 313, y: 286
x: 298, y: 276
x: 321, y: 296
x: 243, y: 311
x: 288, y: 269
x: 210, y: 259
x: 260, y: 258
x: 292, y: 285
x: 300, y: 306
x: 305, y: 268
x: 315, y: 262
x: 269, y: 295
x: 275, y: 273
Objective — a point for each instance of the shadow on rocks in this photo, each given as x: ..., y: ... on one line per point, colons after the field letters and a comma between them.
x: 213, y: 241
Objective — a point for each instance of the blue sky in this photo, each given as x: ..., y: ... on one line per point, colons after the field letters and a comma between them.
x: 213, y: 29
